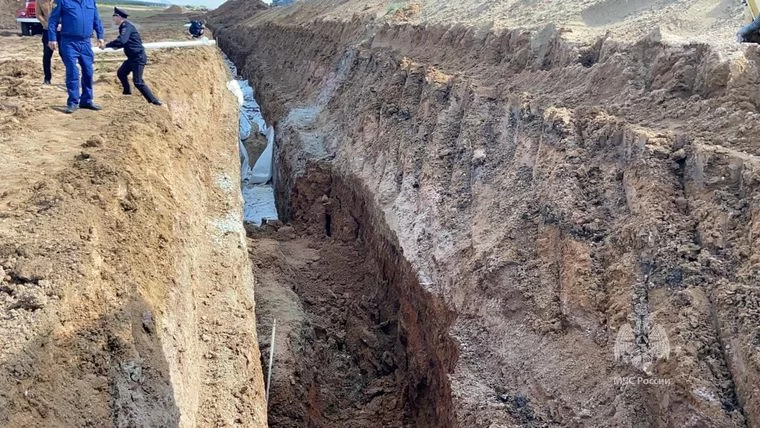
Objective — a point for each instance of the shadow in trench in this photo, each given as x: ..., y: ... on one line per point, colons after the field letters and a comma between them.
x: 359, y: 341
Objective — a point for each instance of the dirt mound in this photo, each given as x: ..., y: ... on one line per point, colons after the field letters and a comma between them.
x: 125, y: 287
x: 682, y: 20
x: 175, y: 9
x: 235, y: 11
x: 572, y: 205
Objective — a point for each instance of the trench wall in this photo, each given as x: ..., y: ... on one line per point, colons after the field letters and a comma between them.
x: 144, y: 310
x: 546, y: 194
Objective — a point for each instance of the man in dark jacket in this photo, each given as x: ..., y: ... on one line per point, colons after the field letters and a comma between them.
x: 78, y: 19
x: 130, y: 40
x: 42, y: 10
x: 196, y: 28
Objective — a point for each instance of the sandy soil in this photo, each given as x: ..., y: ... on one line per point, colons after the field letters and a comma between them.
x: 680, y: 21
x: 126, y: 293
x: 8, y: 14
x: 547, y: 193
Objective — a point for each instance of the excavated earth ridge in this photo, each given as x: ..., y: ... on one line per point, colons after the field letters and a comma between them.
x: 126, y: 290
x: 535, y: 196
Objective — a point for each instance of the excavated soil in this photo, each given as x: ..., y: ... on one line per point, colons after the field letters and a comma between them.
x: 126, y: 295
x: 500, y: 213
x: 679, y: 21
x: 358, y: 341
x: 552, y: 200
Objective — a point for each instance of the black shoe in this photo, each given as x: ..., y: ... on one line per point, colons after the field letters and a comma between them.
x: 46, y: 82
x: 126, y: 93
x: 90, y: 106
x: 156, y: 102
x: 71, y: 109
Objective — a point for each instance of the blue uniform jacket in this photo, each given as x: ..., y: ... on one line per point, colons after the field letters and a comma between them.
x: 130, y: 40
x: 78, y: 18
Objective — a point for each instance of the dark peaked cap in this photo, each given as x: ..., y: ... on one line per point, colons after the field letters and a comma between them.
x: 119, y: 12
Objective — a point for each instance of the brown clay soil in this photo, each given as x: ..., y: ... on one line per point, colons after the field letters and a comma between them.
x: 335, y: 363
x: 545, y: 191
x: 358, y: 342
x: 486, y: 201
x: 126, y: 292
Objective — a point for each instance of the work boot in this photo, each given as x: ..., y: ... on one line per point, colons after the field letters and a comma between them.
x: 91, y: 106
x: 71, y: 108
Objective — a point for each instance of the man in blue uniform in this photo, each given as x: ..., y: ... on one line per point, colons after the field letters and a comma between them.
x: 750, y: 33
x: 196, y: 28
x: 78, y: 19
x: 130, y: 40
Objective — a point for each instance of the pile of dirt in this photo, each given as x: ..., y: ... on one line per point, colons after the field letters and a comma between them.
x: 571, y: 204
x: 234, y: 12
x: 125, y: 286
x: 681, y: 21
x: 255, y: 145
x: 175, y: 9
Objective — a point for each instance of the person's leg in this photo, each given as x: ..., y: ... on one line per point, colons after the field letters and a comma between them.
x: 137, y: 77
x: 47, y: 55
x: 752, y: 38
x: 86, y: 60
x: 746, y: 32
x: 70, y: 58
x: 123, y: 74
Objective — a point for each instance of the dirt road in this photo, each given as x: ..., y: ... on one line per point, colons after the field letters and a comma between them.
x: 126, y: 293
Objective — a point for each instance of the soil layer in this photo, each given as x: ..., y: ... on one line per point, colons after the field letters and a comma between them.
x: 360, y: 341
x: 553, y: 196
x: 125, y: 288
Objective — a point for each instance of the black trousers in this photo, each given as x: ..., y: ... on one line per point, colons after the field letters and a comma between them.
x: 47, y: 54
x: 136, y: 67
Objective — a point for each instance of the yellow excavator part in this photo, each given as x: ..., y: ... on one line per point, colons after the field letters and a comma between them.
x: 753, y: 8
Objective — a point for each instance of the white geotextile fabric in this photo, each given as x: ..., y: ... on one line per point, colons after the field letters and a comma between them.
x: 259, y: 202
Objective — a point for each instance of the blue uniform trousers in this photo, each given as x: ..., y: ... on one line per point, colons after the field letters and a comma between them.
x: 749, y: 33
x: 73, y: 52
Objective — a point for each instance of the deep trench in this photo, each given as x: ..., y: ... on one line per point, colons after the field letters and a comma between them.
x: 367, y: 346
x: 359, y: 341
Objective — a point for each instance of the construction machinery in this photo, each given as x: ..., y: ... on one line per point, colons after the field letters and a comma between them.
x: 27, y: 19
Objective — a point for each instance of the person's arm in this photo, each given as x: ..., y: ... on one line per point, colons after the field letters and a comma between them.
x: 53, y: 21
x: 119, y: 42
x: 98, y: 27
